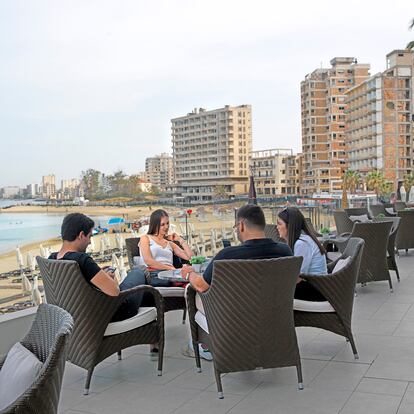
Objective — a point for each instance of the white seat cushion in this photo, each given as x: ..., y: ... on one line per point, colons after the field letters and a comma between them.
x: 168, y: 292
x: 308, y: 306
x: 144, y: 316
x: 341, y: 263
x: 18, y: 373
x: 390, y: 210
x: 201, y: 320
x: 363, y: 218
x: 199, y: 304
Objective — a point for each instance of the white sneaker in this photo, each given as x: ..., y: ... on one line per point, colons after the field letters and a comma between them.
x: 188, y: 351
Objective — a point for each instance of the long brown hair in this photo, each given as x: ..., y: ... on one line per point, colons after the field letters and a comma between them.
x: 297, y: 225
x: 155, y: 221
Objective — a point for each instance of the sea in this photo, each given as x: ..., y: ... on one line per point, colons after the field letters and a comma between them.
x: 18, y: 229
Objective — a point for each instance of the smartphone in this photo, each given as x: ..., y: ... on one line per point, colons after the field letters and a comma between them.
x: 109, y: 269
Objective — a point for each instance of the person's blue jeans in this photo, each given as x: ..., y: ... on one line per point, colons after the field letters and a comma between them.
x: 130, y: 306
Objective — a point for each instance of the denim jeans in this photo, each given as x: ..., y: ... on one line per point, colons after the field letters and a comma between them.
x: 130, y: 306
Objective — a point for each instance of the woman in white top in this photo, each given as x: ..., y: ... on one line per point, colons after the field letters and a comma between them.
x: 157, y: 247
x: 293, y: 227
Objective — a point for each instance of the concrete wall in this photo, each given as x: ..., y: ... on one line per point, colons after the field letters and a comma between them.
x: 14, y: 326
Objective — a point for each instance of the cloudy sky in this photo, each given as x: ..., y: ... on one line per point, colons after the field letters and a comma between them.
x: 94, y: 83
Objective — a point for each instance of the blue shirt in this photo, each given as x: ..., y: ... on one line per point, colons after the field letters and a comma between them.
x: 314, y: 263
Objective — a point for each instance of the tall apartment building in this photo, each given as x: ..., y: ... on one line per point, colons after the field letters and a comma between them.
x: 71, y: 188
x: 323, y: 123
x: 211, y: 149
x: 49, y: 186
x: 32, y: 190
x: 379, y: 133
x: 275, y: 172
x: 159, y: 170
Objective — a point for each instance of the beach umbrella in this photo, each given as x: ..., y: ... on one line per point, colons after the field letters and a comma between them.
x: 115, y: 221
x: 403, y: 193
x: 31, y: 262
x: 26, y: 285
x: 252, y: 191
x: 36, y: 295
x: 411, y: 195
x: 19, y: 258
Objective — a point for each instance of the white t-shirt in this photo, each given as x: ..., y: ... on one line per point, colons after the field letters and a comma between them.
x: 160, y: 254
x: 314, y: 263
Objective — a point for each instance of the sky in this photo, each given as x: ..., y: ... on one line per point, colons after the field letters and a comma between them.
x: 95, y: 83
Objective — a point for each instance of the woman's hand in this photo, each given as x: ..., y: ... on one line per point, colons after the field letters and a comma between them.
x: 176, y: 237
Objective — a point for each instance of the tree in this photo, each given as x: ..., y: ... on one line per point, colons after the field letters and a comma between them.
x: 375, y: 181
x: 352, y: 180
x: 408, y: 183
x: 410, y: 45
x: 90, y: 182
x: 118, y: 181
x: 220, y: 192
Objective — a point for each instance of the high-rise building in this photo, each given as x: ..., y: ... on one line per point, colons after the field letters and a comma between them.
x: 32, y: 190
x: 379, y: 129
x: 159, y: 170
x: 49, y: 186
x: 276, y: 172
x: 323, y: 123
x: 11, y: 191
x: 210, y: 150
x: 71, y: 189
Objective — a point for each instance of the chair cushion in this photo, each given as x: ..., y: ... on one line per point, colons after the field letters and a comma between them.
x: 201, y: 321
x: 144, y: 316
x: 199, y: 304
x: 18, y: 373
x: 168, y: 292
x: 340, y: 264
x: 390, y: 210
x: 308, y: 306
x: 363, y: 218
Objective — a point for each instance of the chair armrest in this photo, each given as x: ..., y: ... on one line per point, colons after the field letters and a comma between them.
x: 2, y: 359
x: 346, y: 234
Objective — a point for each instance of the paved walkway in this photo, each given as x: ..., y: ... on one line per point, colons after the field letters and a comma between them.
x: 381, y: 381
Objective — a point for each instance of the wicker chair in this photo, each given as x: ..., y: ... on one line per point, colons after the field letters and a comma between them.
x: 271, y: 232
x: 171, y: 301
x: 374, y: 266
x: 48, y: 340
x: 400, y: 205
x: 343, y: 223
x: 94, y: 337
x: 357, y: 211
x: 405, y: 235
x: 392, y: 264
x: 338, y: 288
x: 377, y: 209
x: 249, y: 312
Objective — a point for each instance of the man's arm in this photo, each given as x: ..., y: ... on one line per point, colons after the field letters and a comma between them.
x: 196, y: 280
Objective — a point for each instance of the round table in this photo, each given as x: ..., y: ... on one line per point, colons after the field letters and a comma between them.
x: 172, y: 275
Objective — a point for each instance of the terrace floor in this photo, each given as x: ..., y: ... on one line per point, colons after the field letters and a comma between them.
x: 381, y: 381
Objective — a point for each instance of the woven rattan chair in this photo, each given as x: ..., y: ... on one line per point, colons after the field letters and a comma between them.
x: 405, y: 235
x: 271, y: 232
x: 171, y: 301
x: 343, y: 223
x: 48, y: 341
x: 248, y: 319
x: 392, y: 264
x: 374, y: 266
x: 93, y: 339
x: 357, y: 211
x: 377, y: 209
x: 400, y: 205
x: 338, y: 288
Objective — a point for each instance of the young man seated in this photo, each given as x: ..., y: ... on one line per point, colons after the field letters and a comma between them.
x: 76, y: 235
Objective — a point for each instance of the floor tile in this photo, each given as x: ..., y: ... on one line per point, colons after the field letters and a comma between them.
x: 364, y: 403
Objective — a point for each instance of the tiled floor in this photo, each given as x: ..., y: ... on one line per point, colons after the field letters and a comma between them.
x: 381, y: 381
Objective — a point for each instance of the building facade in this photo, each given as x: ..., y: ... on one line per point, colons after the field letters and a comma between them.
x: 211, y: 150
x: 323, y: 123
x: 276, y: 172
x: 159, y: 170
x: 379, y: 130
x: 49, y: 186
x: 70, y: 189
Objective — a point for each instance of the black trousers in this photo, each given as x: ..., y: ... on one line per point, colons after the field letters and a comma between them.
x: 305, y: 291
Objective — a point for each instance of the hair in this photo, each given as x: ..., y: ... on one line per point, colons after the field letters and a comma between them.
x: 155, y: 221
x: 296, y: 225
x: 75, y: 223
x: 252, y: 215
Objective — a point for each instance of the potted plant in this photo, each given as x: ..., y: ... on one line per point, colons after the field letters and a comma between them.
x: 196, y: 262
x: 325, y: 232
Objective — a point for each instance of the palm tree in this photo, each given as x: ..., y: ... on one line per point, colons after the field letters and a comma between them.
x: 352, y: 180
x: 375, y: 181
x: 410, y: 45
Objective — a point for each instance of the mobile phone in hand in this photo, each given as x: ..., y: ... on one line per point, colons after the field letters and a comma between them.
x: 110, y: 269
